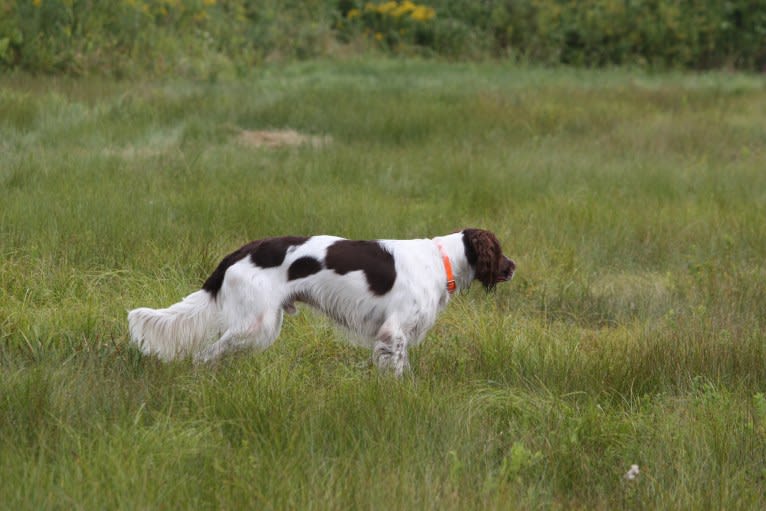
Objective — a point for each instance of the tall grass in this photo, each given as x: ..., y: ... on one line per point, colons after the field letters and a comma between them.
x: 634, y: 206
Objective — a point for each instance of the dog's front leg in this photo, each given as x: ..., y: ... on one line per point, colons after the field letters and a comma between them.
x: 390, y: 351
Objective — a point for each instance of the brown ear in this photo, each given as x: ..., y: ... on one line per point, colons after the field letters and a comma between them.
x: 483, y: 252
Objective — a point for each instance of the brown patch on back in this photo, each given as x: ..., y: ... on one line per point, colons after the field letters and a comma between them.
x: 265, y: 253
x: 368, y: 256
x: 271, y: 251
x: 273, y: 139
x: 303, y: 267
x: 214, y: 282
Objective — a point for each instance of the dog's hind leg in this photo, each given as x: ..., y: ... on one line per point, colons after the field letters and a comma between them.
x: 259, y: 334
x: 230, y: 341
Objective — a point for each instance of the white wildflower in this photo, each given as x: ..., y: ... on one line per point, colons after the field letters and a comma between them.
x: 632, y: 473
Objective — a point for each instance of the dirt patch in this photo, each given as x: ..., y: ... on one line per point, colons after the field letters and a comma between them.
x: 280, y: 138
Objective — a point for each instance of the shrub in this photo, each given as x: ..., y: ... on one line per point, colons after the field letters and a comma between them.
x: 158, y: 36
x: 392, y: 25
x: 659, y: 33
x: 206, y: 37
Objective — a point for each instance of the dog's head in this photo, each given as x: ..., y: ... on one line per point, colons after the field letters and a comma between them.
x: 484, y: 253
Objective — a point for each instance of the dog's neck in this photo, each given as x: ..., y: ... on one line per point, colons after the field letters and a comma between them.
x: 453, y: 247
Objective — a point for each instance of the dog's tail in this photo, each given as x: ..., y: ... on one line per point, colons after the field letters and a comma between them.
x: 178, y: 331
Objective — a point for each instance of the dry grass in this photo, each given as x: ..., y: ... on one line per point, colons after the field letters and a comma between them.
x: 274, y: 139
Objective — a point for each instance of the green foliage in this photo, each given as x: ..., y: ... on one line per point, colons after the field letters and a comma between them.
x: 211, y: 38
x: 633, y: 333
x: 200, y: 38
x: 661, y: 33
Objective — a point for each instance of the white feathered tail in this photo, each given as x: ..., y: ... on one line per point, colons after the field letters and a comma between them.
x: 178, y: 331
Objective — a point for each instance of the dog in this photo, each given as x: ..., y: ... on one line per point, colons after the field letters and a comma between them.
x: 386, y: 293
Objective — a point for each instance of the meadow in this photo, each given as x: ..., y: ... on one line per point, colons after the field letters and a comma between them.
x: 634, y: 205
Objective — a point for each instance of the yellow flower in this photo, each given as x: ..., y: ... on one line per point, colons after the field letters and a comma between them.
x: 387, y: 7
x: 404, y: 8
x: 423, y: 13
x: 208, y: 3
x: 378, y: 36
x: 37, y: 3
x: 200, y: 16
x: 353, y: 13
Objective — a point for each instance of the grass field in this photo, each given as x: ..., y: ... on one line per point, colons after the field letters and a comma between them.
x: 634, y: 332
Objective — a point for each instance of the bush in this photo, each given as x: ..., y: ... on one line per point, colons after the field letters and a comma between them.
x: 658, y: 33
x: 207, y: 37
x: 158, y: 36
x: 390, y: 25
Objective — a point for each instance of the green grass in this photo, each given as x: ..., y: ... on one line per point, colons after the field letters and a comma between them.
x: 633, y: 204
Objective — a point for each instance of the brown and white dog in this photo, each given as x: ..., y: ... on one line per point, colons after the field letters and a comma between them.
x: 387, y: 293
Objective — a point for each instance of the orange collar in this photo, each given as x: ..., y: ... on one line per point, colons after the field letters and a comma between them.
x: 451, y: 285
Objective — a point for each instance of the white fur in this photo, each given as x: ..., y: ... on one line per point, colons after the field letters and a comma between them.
x: 248, y: 310
x: 180, y: 329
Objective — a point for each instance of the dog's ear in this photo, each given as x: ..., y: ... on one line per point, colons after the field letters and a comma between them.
x: 483, y: 252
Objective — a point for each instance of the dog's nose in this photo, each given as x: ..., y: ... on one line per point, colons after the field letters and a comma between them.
x: 511, y: 265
